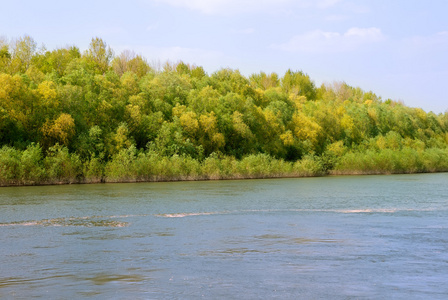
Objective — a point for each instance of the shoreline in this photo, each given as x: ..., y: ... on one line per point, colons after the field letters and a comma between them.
x: 191, y: 178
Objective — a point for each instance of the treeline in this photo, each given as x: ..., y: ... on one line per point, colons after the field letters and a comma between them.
x: 67, y: 116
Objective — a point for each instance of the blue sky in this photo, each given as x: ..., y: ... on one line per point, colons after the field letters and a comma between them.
x: 398, y: 49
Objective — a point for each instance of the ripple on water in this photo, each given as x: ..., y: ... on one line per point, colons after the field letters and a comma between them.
x: 101, y: 279
x: 92, y: 221
x: 292, y: 210
x: 13, y: 281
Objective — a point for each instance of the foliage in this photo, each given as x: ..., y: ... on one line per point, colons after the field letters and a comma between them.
x: 67, y: 116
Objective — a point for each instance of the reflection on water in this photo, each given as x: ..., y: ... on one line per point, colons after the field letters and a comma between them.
x: 367, y: 237
x: 12, y: 281
x: 101, y: 279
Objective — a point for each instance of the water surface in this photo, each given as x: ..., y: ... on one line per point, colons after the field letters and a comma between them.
x: 362, y: 237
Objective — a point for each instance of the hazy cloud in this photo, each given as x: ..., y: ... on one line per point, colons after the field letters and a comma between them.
x: 324, y: 41
x: 336, y: 18
x: 438, y: 40
x: 326, y: 3
x: 107, y: 31
x: 152, y: 27
x: 245, y: 31
x: 429, y: 52
x: 239, y: 6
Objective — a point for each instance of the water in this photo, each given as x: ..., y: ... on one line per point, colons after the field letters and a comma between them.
x: 360, y: 237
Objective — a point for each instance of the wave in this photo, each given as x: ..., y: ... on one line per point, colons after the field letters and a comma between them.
x: 182, y: 215
x: 378, y: 210
x: 89, y: 221
x: 342, y: 211
x: 107, y: 221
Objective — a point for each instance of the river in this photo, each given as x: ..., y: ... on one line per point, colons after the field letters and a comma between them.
x: 341, y: 237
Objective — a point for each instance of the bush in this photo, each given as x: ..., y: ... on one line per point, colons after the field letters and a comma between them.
x: 406, y: 160
x: 61, y: 166
x: 32, y: 170
x: 212, y: 167
x: 308, y: 166
x: 122, y: 167
x: 254, y: 166
x: 93, y: 170
x: 9, y: 166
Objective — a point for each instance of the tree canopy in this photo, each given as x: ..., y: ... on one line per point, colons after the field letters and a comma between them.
x: 95, y: 105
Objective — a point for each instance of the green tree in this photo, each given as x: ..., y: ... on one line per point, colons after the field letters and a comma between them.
x: 298, y: 83
x: 5, y: 55
x: 99, y: 55
x: 23, y: 50
x: 128, y: 61
x: 57, y: 60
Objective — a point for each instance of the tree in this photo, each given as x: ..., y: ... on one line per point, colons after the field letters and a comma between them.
x: 23, y: 50
x: 264, y: 81
x: 298, y: 83
x: 60, y: 130
x: 189, y: 122
x: 127, y: 61
x: 306, y: 129
x: 228, y: 80
x: 100, y: 55
x: 57, y: 60
x: 210, y: 137
x: 121, y: 139
x: 15, y: 107
x: 5, y: 55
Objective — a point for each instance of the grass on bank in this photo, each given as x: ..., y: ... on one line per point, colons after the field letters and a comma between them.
x: 58, y: 166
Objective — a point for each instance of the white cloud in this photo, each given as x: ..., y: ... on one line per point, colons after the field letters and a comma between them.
x: 239, y: 6
x: 322, y: 41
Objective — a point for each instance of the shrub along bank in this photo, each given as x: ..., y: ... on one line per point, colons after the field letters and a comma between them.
x: 30, y: 167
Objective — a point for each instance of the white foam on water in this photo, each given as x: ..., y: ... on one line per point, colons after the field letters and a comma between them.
x: 342, y: 211
x: 182, y: 215
x: 87, y: 221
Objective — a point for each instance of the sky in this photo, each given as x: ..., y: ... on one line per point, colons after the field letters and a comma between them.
x: 397, y: 49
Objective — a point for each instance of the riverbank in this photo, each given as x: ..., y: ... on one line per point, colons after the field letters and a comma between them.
x: 29, y: 167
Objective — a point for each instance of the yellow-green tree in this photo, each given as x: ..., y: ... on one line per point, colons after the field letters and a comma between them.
x: 60, y: 130
x: 99, y: 55
x: 23, y: 50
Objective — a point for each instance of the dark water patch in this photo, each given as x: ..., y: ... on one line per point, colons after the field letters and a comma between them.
x: 101, y: 279
x: 270, y: 236
x: 13, y: 281
x: 231, y: 252
x: 163, y: 234
x: 21, y: 254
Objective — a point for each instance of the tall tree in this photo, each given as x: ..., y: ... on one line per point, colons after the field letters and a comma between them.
x: 127, y: 61
x: 23, y: 50
x: 299, y: 83
x: 100, y: 55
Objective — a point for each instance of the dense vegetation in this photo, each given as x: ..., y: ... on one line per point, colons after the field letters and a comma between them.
x: 67, y: 116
